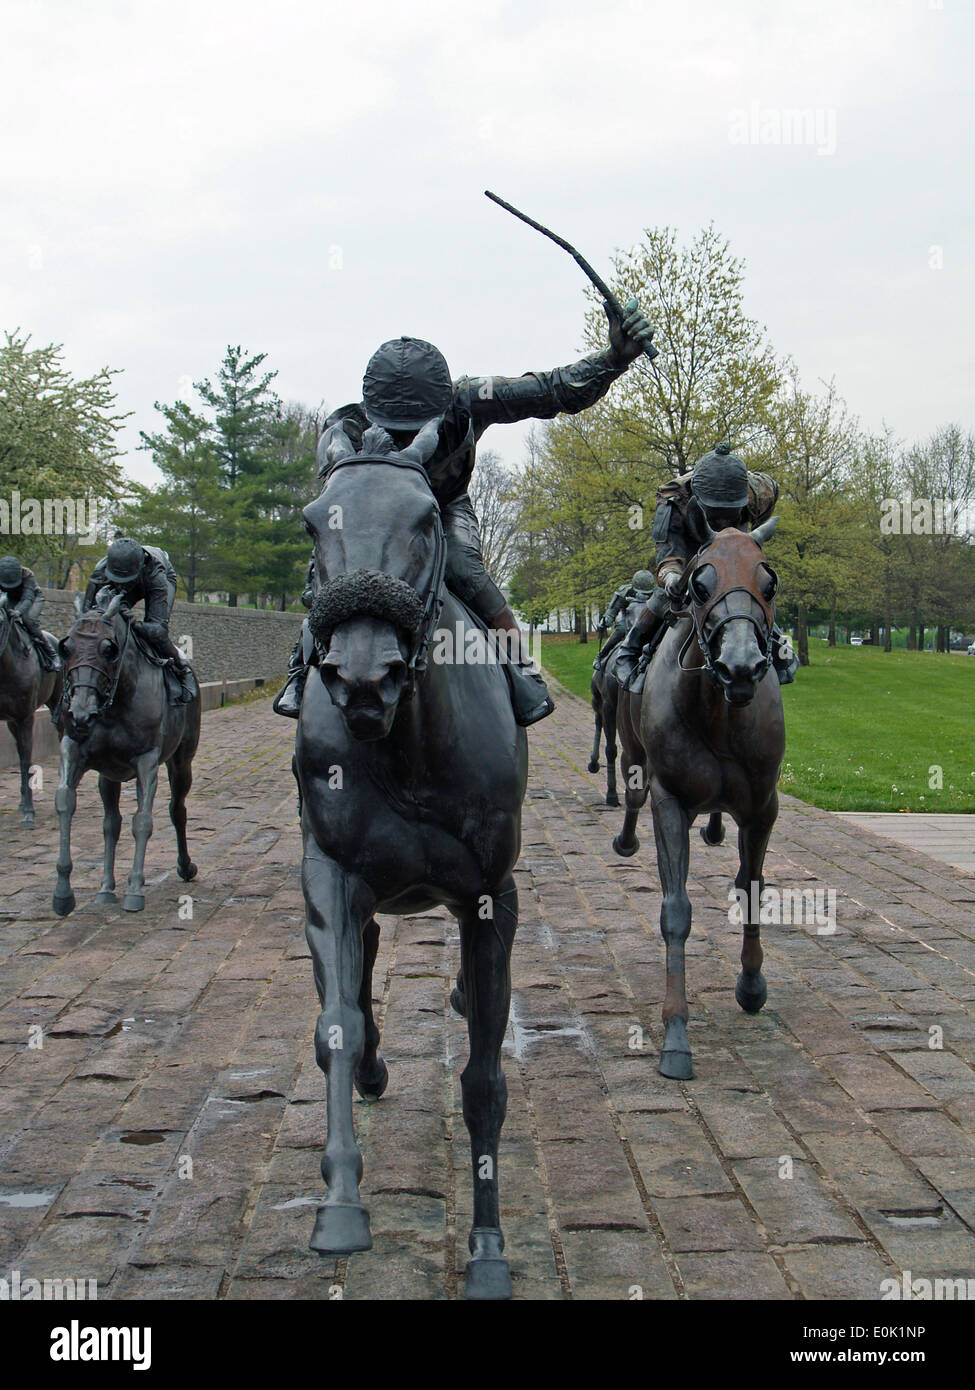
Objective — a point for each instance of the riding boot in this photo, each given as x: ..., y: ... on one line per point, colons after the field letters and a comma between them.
x: 784, y: 656
x: 47, y: 658
x: 187, y: 681
x: 530, y: 699
x: 612, y: 641
x: 288, y: 701
x: 633, y: 643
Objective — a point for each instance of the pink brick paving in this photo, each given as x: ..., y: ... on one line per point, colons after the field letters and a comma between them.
x: 167, y: 1039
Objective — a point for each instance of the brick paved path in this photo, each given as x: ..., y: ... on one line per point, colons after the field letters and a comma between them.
x: 167, y: 1039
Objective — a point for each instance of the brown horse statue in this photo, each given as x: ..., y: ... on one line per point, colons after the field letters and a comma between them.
x: 706, y: 739
x: 24, y: 687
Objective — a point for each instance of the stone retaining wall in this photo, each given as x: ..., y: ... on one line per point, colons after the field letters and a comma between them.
x: 227, y: 643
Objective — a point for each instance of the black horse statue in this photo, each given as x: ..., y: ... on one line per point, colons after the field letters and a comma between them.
x: 605, y: 691
x: 24, y: 687
x: 411, y: 774
x: 708, y: 739
x: 117, y: 718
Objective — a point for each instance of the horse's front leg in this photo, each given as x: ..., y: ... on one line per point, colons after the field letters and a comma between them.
x: 147, y: 778
x: 751, y: 990
x: 487, y: 930
x: 72, y: 769
x: 671, y: 829
x: 612, y: 752
x: 111, y: 829
x: 597, y: 738
x: 337, y: 908
x: 372, y: 1075
x: 23, y: 733
x: 633, y: 765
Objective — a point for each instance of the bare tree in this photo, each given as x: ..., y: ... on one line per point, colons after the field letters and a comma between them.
x: 493, y: 493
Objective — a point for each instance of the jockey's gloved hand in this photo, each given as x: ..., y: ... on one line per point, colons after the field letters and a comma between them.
x: 627, y: 340
x: 672, y: 586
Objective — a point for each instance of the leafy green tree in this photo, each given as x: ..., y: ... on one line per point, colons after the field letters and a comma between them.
x: 183, y: 515
x: 715, y: 377
x: 811, y: 449
x: 245, y: 412
x: 57, y: 439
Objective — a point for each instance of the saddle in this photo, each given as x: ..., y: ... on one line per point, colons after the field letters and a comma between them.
x: 174, y: 688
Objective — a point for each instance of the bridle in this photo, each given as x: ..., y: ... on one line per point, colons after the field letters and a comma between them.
x: 91, y: 625
x: 393, y: 595
x: 758, y: 610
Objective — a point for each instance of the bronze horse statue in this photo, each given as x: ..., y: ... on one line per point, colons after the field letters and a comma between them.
x: 604, y: 690
x: 411, y: 775
x: 24, y: 687
x: 708, y: 739
x: 117, y: 718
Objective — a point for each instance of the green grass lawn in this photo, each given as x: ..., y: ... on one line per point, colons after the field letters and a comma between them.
x: 865, y: 730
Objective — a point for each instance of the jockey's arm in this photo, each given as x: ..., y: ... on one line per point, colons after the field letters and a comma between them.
x: 670, y: 556
x: 28, y: 593
x: 541, y: 395
x: 91, y: 592
x: 617, y: 604
x: 156, y: 595
x: 566, y: 390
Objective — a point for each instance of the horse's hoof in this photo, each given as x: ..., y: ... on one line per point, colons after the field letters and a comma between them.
x: 340, y: 1229
x: 106, y: 897
x: 373, y: 1083
x: 627, y: 851
x: 487, y: 1278
x: 27, y: 820
x: 593, y: 765
x: 188, y: 873
x: 612, y: 799
x: 133, y: 902
x: 62, y: 906
x: 675, y: 1059
x: 751, y: 991
x: 458, y: 1003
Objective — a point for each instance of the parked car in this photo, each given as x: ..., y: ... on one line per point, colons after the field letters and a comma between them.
x: 856, y: 641
x: 971, y: 649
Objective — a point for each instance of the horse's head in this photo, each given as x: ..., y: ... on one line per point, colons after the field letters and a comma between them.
x: 729, y: 588
x: 379, y: 562
x: 92, y: 654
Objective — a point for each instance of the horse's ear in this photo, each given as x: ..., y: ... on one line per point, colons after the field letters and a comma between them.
x: 113, y: 607
x: 78, y: 600
x: 424, y: 441
x: 763, y: 533
x: 339, y: 445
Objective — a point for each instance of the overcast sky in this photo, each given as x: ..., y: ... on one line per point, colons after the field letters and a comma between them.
x: 307, y: 180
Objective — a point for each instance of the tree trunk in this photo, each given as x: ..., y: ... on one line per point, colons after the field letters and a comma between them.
x: 832, y: 624
x: 232, y: 600
x: 911, y: 637
x: 802, y: 634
